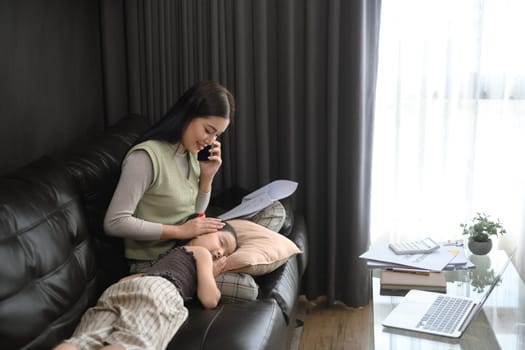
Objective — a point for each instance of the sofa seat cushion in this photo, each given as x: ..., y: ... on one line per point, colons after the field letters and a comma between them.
x: 250, y: 325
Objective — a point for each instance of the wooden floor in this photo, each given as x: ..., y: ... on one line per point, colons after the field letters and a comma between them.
x: 335, y: 327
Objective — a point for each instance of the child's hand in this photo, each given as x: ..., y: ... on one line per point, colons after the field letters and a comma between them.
x: 131, y: 277
x: 218, y: 266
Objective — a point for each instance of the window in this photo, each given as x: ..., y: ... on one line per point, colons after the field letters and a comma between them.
x: 449, y: 130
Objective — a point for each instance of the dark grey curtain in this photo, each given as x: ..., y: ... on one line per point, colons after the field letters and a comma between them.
x: 50, y: 78
x: 303, y: 74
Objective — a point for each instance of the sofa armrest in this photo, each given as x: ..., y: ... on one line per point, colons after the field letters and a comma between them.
x: 298, y: 236
x: 282, y: 285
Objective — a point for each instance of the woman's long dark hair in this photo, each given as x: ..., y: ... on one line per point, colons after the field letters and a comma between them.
x: 205, y: 98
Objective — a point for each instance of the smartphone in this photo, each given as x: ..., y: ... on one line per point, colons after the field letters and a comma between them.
x: 204, y: 153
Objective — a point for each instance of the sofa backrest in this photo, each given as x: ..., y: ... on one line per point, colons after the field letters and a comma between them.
x: 95, y: 169
x: 47, y: 264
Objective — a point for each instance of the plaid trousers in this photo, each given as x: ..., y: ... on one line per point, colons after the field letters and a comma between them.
x: 138, y: 313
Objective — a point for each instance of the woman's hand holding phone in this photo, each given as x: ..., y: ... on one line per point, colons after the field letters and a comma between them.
x: 204, y: 154
x: 210, y: 167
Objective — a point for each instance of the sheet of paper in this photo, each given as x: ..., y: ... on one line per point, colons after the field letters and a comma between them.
x: 255, y: 201
x: 275, y: 190
x: 373, y: 264
x: 435, y: 261
x: 460, y: 258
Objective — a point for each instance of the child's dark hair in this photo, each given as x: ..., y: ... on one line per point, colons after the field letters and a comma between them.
x: 227, y: 227
x: 230, y: 229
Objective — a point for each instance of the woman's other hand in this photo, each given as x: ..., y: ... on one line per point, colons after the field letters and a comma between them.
x: 201, y: 225
x: 191, y: 228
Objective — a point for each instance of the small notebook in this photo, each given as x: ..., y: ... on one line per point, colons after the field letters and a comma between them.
x: 399, y: 283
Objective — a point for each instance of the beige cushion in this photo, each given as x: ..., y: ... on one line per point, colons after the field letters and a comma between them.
x: 260, y: 250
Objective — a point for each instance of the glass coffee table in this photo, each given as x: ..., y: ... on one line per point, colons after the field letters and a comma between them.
x: 499, y: 325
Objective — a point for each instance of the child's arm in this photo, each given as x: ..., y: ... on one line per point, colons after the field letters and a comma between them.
x: 130, y: 277
x: 207, y: 291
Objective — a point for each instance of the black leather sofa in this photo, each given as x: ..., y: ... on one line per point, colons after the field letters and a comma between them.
x: 55, y: 259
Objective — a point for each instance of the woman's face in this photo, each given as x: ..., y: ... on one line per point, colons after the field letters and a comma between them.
x: 203, y: 131
x: 220, y: 243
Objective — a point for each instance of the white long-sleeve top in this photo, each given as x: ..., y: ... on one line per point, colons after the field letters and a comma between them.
x: 135, y: 179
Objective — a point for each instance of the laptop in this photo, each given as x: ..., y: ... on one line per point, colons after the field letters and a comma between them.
x: 437, y: 313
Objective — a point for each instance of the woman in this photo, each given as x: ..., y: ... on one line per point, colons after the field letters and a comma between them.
x: 162, y: 183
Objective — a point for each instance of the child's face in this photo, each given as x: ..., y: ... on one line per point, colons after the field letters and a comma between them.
x: 220, y: 243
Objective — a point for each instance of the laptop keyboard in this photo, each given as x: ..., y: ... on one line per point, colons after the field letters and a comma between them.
x: 444, y: 314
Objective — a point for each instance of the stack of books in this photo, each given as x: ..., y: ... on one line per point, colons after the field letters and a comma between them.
x: 394, y: 282
x: 445, y: 258
x: 423, y: 271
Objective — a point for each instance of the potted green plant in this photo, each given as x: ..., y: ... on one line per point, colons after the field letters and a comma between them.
x: 479, y: 231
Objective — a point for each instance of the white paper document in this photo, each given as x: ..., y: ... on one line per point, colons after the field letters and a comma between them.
x: 374, y: 264
x: 435, y: 261
x: 460, y: 258
x: 253, y: 202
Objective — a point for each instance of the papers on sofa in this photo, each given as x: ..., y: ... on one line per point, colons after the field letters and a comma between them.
x: 435, y: 261
x: 259, y: 199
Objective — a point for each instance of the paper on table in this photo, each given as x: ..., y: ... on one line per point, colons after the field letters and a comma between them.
x: 253, y: 202
x: 373, y: 264
x: 460, y: 258
x: 435, y: 261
